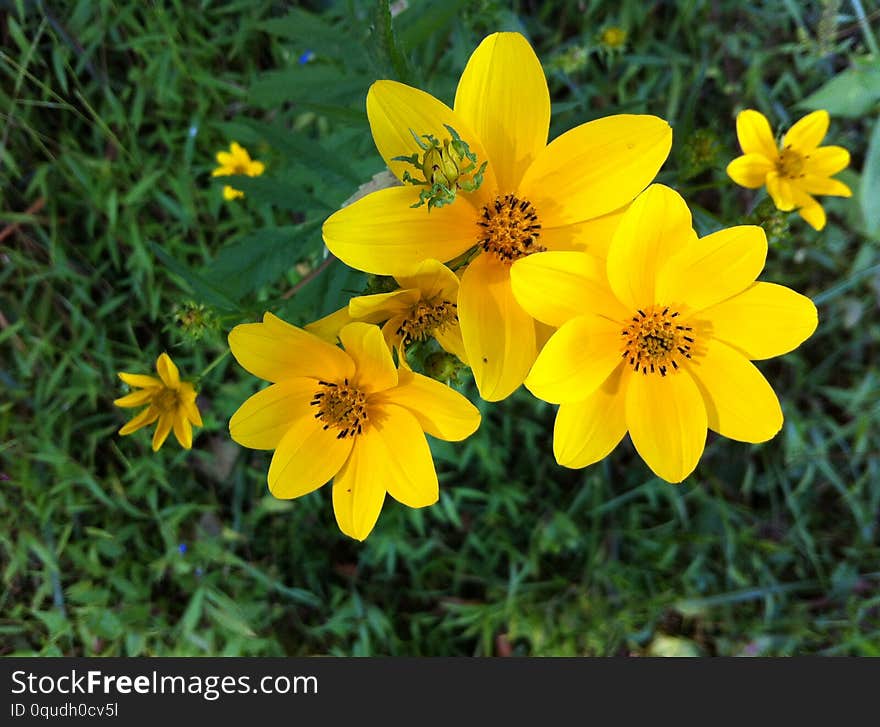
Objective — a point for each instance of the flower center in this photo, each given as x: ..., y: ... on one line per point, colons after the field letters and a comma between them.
x: 240, y: 168
x: 655, y: 342
x: 790, y: 163
x: 510, y: 229
x: 166, y: 400
x: 341, y: 406
x: 426, y: 317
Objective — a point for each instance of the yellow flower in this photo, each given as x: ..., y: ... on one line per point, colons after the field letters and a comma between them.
x: 236, y: 161
x: 794, y: 172
x: 171, y: 401
x: 347, y: 415
x: 613, y: 37
x: 657, y: 339
x: 424, y: 307
x: 533, y: 196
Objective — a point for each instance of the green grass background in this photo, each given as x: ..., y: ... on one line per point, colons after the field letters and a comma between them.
x: 110, y: 114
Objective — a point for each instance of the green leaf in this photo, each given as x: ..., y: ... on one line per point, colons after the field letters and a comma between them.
x: 201, y: 288
x: 417, y: 28
x: 869, y: 191
x: 277, y: 192
x: 259, y: 258
x: 853, y: 93
x: 302, y: 149
x: 312, y: 84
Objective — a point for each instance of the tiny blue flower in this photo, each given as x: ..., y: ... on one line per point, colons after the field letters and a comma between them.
x: 193, y: 130
x: 306, y: 57
x: 182, y: 548
x: 200, y: 572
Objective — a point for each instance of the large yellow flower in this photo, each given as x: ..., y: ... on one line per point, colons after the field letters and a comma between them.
x: 171, y: 401
x: 533, y: 196
x: 795, y: 171
x: 347, y: 415
x: 657, y: 339
x: 425, y: 306
x: 236, y: 161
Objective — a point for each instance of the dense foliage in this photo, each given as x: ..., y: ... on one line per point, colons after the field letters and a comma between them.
x: 117, y: 244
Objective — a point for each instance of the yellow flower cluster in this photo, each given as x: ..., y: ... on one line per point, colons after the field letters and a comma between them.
x: 558, y: 265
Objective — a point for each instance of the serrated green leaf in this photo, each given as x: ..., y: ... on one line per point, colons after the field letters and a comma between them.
x: 278, y: 193
x: 313, y: 83
x: 306, y: 151
x: 202, y: 289
x: 259, y: 258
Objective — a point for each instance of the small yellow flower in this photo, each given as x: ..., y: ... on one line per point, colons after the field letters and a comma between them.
x: 533, y: 196
x: 236, y: 161
x: 658, y: 339
x: 796, y: 170
x: 613, y: 37
x: 424, y: 307
x: 347, y: 415
x: 171, y: 401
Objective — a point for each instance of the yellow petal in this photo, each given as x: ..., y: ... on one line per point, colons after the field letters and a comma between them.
x: 374, y: 367
x: 666, y: 418
x: 393, y: 451
x: 139, y: 381
x: 555, y: 287
x: 136, y: 398
x: 229, y: 193
x: 754, y: 134
x: 358, y: 496
x: 328, y: 327
x: 451, y: 341
x: 441, y: 411
x: 396, y: 111
x: 225, y: 159
x: 592, y: 236
x: 826, y: 160
x: 433, y: 279
x: 263, y: 420
x: 814, y: 214
x: 503, y: 96
x: 807, y: 133
x: 781, y: 191
x: 382, y: 234
x: 750, y: 170
x: 239, y: 153
x: 146, y: 417
x: 274, y: 350
x: 813, y: 184
x: 163, y: 429
x: 763, y: 321
x: 740, y: 404
x: 596, y: 168
x: 183, y: 430
x: 189, y: 404
x: 714, y: 267
x: 255, y: 169
x: 576, y: 360
x: 306, y: 457
x: 655, y: 227
x: 168, y: 371
x: 808, y: 207
x: 499, y: 336
x: 586, y: 431
x: 382, y: 306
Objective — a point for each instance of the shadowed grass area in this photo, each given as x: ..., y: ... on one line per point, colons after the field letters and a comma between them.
x: 112, y: 230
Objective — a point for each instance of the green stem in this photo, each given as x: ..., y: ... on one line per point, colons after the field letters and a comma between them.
x: 214, y: 364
